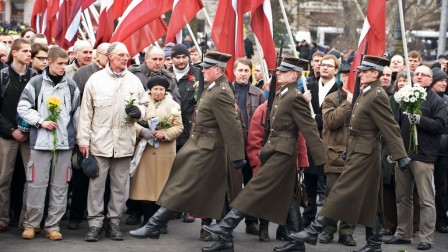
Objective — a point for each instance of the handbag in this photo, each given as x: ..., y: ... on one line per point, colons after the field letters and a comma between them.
x: 302, y: 192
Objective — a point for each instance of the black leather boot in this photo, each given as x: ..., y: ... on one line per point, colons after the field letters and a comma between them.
x: 225, y: 226
x: 281, y: 233
x: 224, y: 244
x: 293, y: 224
x: 309, y: 235
x: 374, y: 238
x: 152, y: 228
x: 264, y: 231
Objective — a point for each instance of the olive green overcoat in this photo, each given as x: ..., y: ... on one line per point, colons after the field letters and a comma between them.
x: 199, y: 177
x: 270, y: 192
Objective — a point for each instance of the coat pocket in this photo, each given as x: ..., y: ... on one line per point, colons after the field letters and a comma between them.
x: 284, y: 148
x: 206, y: 144
x: 363, y: 148
x: 335, y: 155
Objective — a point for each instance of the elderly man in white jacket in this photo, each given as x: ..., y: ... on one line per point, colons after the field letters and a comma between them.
x: 113, y: 98
x: 51, y: 141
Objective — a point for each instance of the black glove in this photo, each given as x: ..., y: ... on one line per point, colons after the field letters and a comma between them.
x: 238, y: 164
x: 144, y: 124
x: 404, y: 164
x: 133, y: 111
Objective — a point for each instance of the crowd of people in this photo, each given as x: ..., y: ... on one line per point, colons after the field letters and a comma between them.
x: 156, y: 140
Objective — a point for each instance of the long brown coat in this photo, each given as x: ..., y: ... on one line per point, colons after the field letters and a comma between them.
x: 198, y: 179
x: 354, y: 198
x: 155, y: 164
x: 270, y: 192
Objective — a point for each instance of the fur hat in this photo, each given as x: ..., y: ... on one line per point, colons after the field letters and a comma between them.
x: 158, y: 80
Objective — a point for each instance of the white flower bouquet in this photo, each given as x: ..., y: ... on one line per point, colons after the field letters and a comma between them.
x: 411, y: 100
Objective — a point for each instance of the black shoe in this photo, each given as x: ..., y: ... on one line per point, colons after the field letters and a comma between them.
x: 263, y: 234
x: 282, y: 233
x: 205, y: 236
x: 113, y: 232
x: 73, y: 225
x: 442, y: 229
x: 326, y: 238
x: 424, y: 246
x: 134, y: 219
x: 227, y: 224
x: 188, y: 218
x: 221, y: 246
x: 292, y: 246
x: 310, y: 233
x: 94, y: 234
x: 347, y: 240
x: 154, y: 225
x: 368, y: 248
x: 252, y: 228
x: 395, y: 240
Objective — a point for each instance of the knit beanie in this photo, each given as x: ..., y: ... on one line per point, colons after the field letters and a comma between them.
x: 438, y: 74
x: 179, y: 49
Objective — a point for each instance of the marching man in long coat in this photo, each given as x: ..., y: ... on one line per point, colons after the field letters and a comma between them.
x: 274, y: 183
x: 354, y: 197
x: 198, y: 180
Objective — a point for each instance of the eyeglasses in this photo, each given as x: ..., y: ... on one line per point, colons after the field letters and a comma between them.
x: 327, y: 65
x: 122, y: 55
x: 105, y: 54
x: 42, y: 58
x: 422, y: 74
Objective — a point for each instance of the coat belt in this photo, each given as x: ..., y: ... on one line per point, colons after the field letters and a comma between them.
x: 204, y: 129
x: 282, y: 134
x: 363, y: 133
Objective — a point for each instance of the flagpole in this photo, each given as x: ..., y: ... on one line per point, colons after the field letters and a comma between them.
x: 405, y: 44
x: 95, y: 13
x: 288, y: 28
x: 194, y: 39
x: 87, y: 29
x: 293, y: 46
x: 207, y: 17
x: 82, y: 34
x: 89, y: 24
x: 263, y: 64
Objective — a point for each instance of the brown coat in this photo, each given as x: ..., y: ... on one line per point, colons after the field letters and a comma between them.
x: 354, y: 198
x: 336, y: 117
x: 155, y: 164
x: 198, y: 180
x: 270, y: 192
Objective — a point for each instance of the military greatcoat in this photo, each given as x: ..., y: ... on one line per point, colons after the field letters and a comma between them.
x: 198, y: 180
x: 354, y: 198
x: 270, y: 192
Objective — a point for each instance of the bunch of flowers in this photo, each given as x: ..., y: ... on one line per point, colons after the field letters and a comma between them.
x: 166, y: 121
x: 411, y: 100
x: 129, y: 103
x: 54, y: 106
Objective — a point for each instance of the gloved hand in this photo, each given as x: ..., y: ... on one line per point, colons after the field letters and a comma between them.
x: 238, y: 164
x: 414, y: 119
x: 133, y: 111
x: 146, y: 133
x: 403, y: 163
x: 144, y: 124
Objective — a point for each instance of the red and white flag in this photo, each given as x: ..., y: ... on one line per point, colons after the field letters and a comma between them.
x: 105, y: 22
x: 39, y: 15
x: 183, y: 12
x: 75, y: 17
x: 52, y: 12
x: 63, y: 23
x: 261, y: 24
x: 227, y: 30
x: 136, y: 29
x: 373, y: 35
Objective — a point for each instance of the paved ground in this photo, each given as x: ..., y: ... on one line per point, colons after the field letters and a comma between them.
x: 181, y: 237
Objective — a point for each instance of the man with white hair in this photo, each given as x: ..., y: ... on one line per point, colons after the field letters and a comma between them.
x: 106, y: 131
x: 83, y: 56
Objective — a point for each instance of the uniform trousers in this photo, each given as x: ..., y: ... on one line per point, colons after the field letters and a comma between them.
x: 422, y: 174
x: 8, y: 153
x: 118, y: 170
x: 41, y: 173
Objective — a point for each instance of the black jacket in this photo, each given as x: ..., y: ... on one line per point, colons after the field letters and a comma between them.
x: 12, y: 86
x: 432, y: 125
x: 187, y: 101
